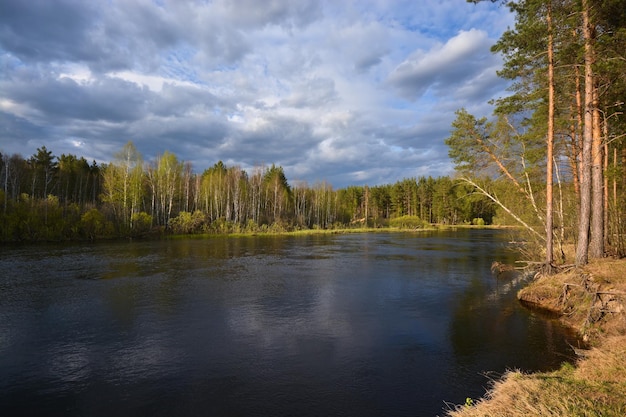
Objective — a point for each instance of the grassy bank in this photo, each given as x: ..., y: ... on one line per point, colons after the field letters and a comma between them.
x: 302, y: 232
x: 593, y: 302
x: 312, y: 232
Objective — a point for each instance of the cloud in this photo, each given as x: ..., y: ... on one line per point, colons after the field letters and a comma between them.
x: 365, y: 44
x: 460, y: 59
x: 40, y: 30
x: 311, y: 93
x: 63, y: 99
x: 286, y: 13
x: 348, y: 92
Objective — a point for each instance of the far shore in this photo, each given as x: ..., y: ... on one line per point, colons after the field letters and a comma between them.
x: 157, y: 234
x: 305, y: 232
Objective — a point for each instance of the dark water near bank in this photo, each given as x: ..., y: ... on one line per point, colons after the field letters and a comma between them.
x: 341, y: 325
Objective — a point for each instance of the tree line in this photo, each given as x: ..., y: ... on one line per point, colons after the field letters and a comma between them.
x: 559, y: 139
x: 46, y: 197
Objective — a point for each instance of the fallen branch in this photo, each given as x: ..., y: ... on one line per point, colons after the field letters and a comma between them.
x: 498, y: 202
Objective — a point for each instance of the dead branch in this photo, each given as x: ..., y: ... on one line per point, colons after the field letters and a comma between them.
x: 498, y: 202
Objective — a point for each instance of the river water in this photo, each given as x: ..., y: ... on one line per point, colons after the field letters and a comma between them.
x: 394, y: 324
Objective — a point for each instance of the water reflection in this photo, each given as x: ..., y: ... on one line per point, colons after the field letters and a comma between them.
x: 382, y: 324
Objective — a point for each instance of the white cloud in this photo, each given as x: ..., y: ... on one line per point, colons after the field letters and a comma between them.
x: 339, y: 91
x: 451, y: 63
x: 155, y: 83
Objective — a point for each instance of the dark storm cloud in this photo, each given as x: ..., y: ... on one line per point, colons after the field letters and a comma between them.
x: 107, y: 99
x: 18, y: 130
x: 105, y: 36
x: 43, y: 30
x: 159, y: 134
x: 278, y: 140
x: 177, y: 100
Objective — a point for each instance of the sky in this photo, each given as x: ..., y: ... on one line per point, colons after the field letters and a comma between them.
x: 351, y: 92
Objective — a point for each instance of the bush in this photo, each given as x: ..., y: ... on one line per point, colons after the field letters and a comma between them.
x: 187, y: 223
x: 478, y: 221
x: 407, y: 222
x: 141, y: 224
x: 92, y: 224
x: 251, y: 226
x: 221, y: 225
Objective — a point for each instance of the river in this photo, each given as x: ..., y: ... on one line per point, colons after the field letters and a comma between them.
x: 384, y: 324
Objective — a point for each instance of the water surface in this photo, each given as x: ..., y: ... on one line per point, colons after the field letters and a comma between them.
x: 332, y: 325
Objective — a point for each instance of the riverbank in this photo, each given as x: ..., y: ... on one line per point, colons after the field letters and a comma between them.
x: 592, y: 301
x: 338, y: 231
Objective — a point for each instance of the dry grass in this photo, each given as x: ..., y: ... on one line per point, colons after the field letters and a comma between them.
x: 606, y: 364
x: 611, y: 272
x: 597, y: 385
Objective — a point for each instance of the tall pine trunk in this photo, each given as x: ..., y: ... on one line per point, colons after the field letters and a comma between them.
x: 584, y: 220
x: 550, y: 145
x: 596, y: 244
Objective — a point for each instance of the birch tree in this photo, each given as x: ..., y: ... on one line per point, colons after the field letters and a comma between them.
x: 122, y: 183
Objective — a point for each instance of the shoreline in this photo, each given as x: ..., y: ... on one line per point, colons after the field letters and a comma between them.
x: 160, y: 235
x: 591, y: 301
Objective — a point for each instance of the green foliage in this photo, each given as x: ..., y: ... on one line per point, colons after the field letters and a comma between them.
x: 122, y: 183
x: 141, y: 224
x: 93, y: 224
x: 468, y: 140
x: 43, y: 172
x: 407, y: 222
x: 251, y: 226
x: 188, y: 223
x: 277, y: 192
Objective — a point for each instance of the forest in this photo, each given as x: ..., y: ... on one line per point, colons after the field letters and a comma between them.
x: 50, y: 198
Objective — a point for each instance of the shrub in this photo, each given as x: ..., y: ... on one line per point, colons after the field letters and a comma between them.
x: 478, y: 221
x: 187, y: 223
x: 141, y: 223
x: 251, y: 226
x: 407, y: 222
x: 92, y: 224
